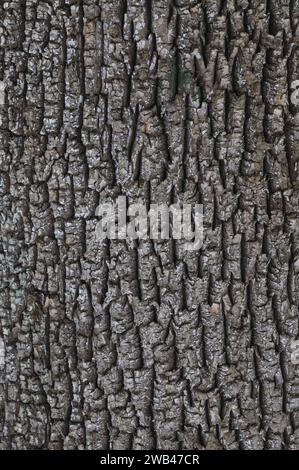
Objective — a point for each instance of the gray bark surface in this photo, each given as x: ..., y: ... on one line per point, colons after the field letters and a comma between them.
x: 142, y: 345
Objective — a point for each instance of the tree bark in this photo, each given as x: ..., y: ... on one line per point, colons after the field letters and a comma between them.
x: 121, y: 345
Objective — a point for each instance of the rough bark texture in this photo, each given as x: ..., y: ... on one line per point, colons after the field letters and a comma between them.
x: 143, y: 345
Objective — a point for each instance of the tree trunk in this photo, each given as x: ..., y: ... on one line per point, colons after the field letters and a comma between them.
x: 143, y: 345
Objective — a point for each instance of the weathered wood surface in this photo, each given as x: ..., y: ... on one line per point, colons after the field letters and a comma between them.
x: 146, y: 346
